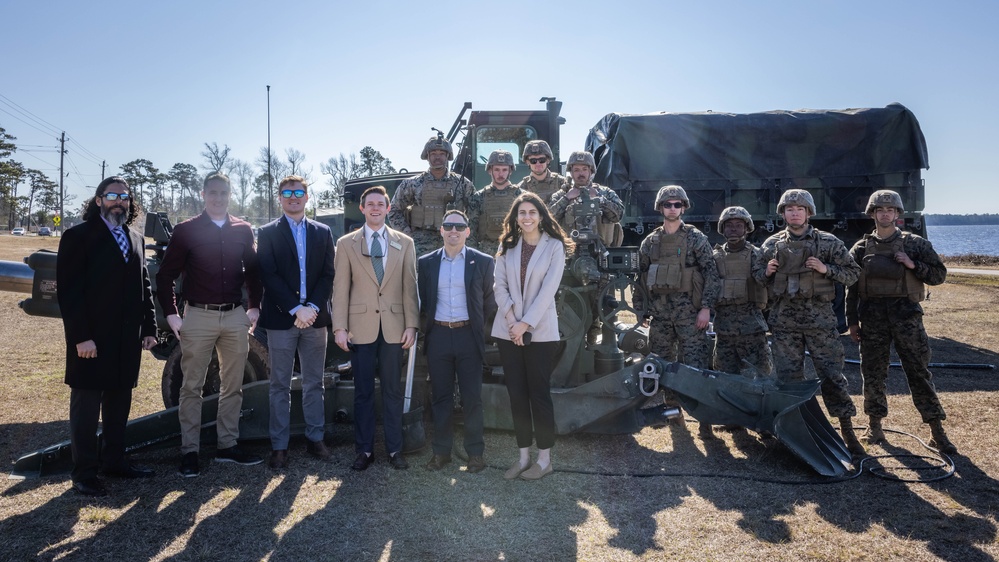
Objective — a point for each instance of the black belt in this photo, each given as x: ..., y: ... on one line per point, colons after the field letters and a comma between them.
x: 218, y: 307
x: 459, y: 324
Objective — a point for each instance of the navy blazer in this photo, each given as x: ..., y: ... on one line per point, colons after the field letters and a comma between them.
x: 481, y: 303
x: 279, y: 273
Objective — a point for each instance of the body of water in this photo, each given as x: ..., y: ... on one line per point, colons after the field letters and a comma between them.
x: 955, y: 240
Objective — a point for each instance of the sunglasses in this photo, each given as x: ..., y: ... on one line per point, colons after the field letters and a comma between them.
x: 449, y: 226
x: 673, y: 205
x: 116, y: 196
x: 287, y: 193
x: 538, y: 160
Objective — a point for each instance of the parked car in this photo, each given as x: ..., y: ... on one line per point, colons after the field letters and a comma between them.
x: 19, y: 231
x: 44, y: 231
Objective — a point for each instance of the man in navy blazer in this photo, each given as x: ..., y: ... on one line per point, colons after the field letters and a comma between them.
x: 456, y: 301
x: 296, y: 268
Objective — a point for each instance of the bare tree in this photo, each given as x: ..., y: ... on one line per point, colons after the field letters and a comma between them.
x: 340, y: 169
x: 242, y: 176
x: 215, y: 158
x: 296, y: 164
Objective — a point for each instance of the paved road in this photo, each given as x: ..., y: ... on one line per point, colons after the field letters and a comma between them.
x: 973, y: 271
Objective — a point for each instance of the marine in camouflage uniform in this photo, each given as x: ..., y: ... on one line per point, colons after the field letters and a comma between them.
x: 882, y: 309
x: 542, y: 181
x: 566, y: 205
x: 680, y: 273
x: 741, y: 344
x: 800, y: 266
x: 489, y: 206
x: 418, y: 205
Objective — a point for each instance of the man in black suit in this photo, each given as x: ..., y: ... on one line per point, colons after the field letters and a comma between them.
x: 456, y: 301
x: 296, y: 268
x: 107, y: 312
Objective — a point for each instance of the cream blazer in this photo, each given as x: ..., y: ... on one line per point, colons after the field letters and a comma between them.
x: 534, y: 303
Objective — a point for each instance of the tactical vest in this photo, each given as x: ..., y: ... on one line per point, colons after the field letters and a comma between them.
x: 737, y: 283
x: 611, y: 233
x: 543, y: 189
x: 435, y: 198
x: 668, y: 272
x: 495, y: 206
x: 796, y: 280
x: 882, y: 276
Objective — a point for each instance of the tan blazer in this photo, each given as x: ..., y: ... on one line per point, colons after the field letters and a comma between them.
x: 360, y: 306
x: 535, y: 302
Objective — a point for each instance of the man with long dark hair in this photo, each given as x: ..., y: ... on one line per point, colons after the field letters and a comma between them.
x: 107, y: 312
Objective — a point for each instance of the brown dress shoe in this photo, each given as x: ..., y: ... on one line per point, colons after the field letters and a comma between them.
x: 536, y: 472
x: 279, y: 459
x: 476, y: 464
x: 514, y: 471
x: 319, y: 450
x: 438, y: 462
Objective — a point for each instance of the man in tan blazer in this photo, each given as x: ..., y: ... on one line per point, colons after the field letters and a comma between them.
x: 375, y: 316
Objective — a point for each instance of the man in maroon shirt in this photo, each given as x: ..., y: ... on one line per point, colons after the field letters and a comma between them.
x: 215, y: 253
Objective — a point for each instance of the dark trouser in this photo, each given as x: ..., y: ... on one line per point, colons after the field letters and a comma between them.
x: 85, y: 407
x: 527, y: 371
x: 385, y: 359
x: 454, y: 352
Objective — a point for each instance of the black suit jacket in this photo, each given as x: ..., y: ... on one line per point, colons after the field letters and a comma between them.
x: 104, y: 299
x: 278, y: 261
x: 478, y: 291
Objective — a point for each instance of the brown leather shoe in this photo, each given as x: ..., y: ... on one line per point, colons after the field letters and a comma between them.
x: 535, y: 472
x: 279, y: 459
x: 475, y: 464
x: 319, y: 450
x: 438, y: 462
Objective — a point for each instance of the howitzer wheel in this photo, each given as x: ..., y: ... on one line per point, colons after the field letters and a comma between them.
x: 257, y: 369
x: 619, y: 288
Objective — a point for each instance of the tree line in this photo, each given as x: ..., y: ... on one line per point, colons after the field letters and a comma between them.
x: 951, y: 220
x: 29, y: 197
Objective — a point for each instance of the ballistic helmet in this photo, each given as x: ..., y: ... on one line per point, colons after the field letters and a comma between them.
x: 501, y: 157
x: 537, y: 148
x: 796, y: 197
x: 581, y: 157
x: 668, y: 192
x: 884, y: 198
x: 735, y: 213
x: 437, y: 143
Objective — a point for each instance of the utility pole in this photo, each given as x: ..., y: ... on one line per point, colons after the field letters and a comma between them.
x: 270, y: 180
x: 62, y: 174
x: 104, y: 164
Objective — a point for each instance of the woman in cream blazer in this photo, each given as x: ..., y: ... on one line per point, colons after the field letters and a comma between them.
x: 529, y: 270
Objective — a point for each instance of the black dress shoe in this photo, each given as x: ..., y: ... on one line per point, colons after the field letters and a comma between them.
x: 319, y: 450
x: 90, y: 487
x: 363, y: 461
x: 130, y: 471
x: 438, y: 462
x: 279, y: 459
x: 476, y: 464
x: 398, y: 462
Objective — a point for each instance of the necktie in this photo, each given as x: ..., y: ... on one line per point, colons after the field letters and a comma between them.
x: 119, y: 235
x: 376, y: 257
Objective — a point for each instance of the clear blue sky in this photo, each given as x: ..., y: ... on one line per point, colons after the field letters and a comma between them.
x: 156, y: 80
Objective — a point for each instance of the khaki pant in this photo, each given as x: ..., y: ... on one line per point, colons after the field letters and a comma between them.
x: 202, y: 331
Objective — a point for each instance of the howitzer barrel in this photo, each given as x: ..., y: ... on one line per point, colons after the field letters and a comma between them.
x: 15, y: 277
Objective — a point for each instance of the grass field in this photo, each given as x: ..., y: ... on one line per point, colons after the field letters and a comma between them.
x: 661, y: 494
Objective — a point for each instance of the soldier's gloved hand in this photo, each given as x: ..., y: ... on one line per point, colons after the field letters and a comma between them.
x: 855, y: 333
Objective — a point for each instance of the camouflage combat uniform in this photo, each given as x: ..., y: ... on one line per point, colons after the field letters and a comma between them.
x: 740, y: 331
x: 546, y: 188
x: 611, y: 211
x: 801, y: 314
x: 673, y: 334
x: 896, y: 318
x: 486, y: 210
x: 410, y: 205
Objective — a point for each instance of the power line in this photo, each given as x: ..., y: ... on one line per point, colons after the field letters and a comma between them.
x: 87, y: 154
x: 54, y: 130
x: 25, y: 122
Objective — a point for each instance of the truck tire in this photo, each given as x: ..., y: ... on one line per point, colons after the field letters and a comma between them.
x: 257, y: 369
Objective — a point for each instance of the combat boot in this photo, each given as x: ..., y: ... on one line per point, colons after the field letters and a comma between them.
x: 940, y: 441
x: 875, y: 434
x: 850, y: 438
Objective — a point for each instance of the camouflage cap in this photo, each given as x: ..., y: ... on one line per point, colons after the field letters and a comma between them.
x: 884, y: 198
x: 796, y: 197
x: 501, y: 157
x: 581, y: 157
x: 537, y: 148
x: 736, y: 213
x: 668, y: 192
x: 437, y: 143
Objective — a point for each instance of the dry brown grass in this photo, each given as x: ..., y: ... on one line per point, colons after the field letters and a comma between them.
x: 658, y: 495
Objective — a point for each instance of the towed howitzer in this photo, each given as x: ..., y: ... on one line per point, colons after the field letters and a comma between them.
x: 595, y: 388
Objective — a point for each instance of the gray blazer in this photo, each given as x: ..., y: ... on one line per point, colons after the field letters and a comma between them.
x: 534, y: 303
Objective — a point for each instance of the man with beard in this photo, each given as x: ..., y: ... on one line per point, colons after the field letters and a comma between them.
x: 566, y: 206
x: 107, y: 313
x: 541, y: 180
x: 488, y: 207
x: 419, y: 202
x: 801, y: 266
x: 740, y: 331
x: 882, y: 309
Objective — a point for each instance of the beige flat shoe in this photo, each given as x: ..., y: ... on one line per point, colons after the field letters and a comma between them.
x: 514, y: 471
x: 536, y: 472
